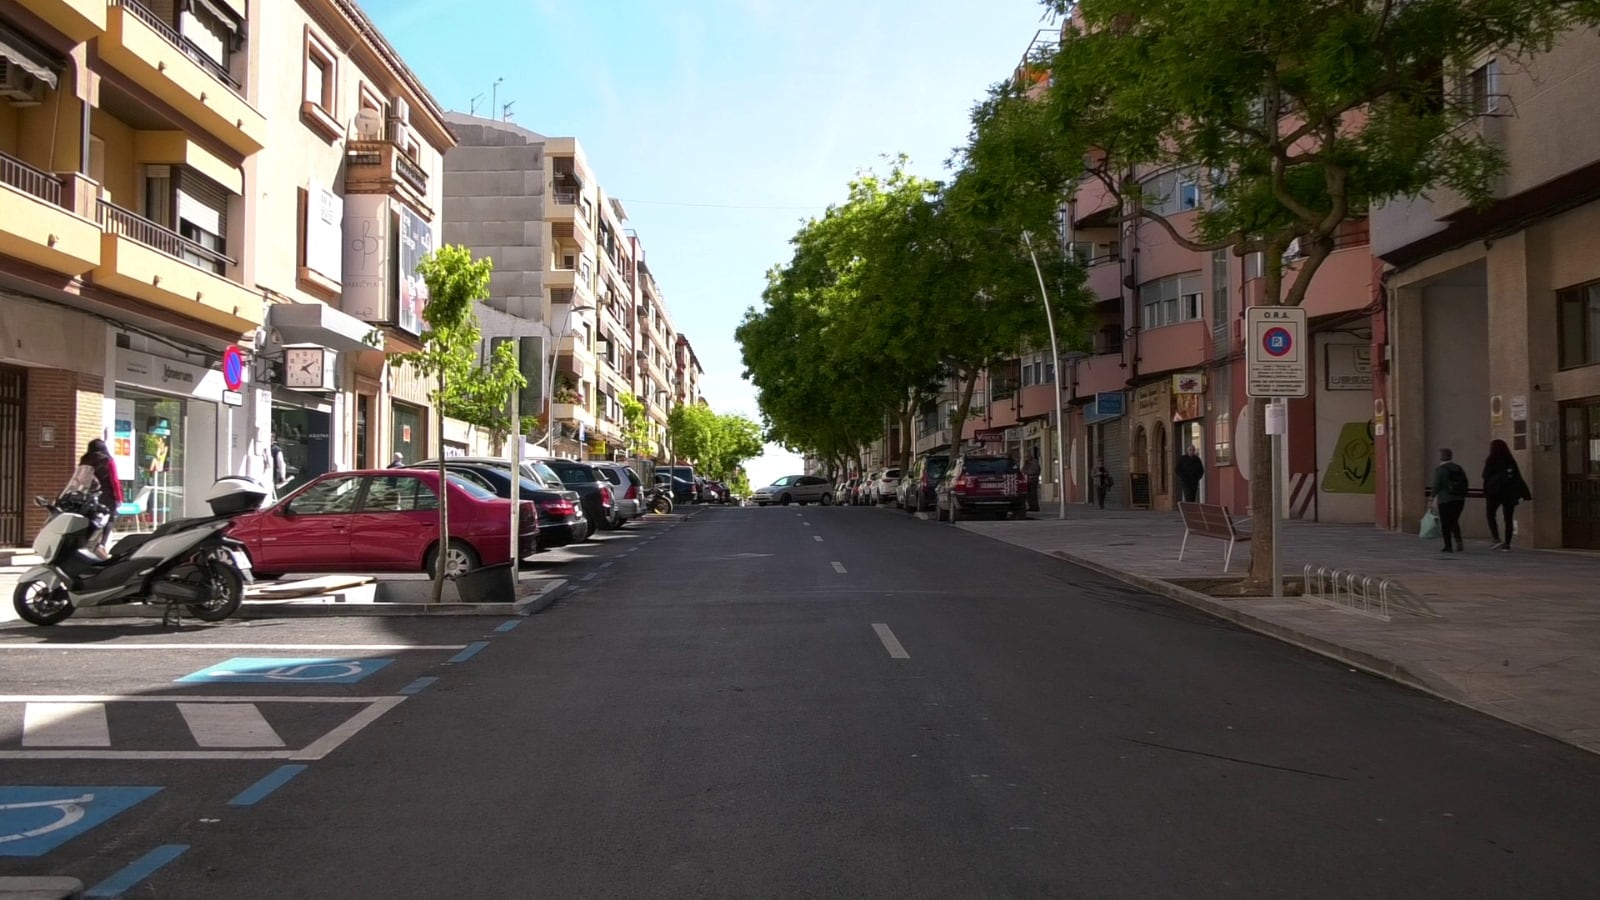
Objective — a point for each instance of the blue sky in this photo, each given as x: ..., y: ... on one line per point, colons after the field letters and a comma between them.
x: 722, y: 124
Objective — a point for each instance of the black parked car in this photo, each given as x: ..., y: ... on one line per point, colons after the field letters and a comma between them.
x: 685, y: 483
x: 919, y: 488
x: 561, y: 518
x: 592, y: 487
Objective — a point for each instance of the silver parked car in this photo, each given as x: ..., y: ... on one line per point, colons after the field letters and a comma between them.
x: 627, y: 492
x: 800, y: 489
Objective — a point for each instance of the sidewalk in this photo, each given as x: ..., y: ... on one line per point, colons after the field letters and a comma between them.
x: 1516, y: 635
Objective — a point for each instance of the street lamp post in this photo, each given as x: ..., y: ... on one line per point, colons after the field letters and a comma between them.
x: 1055, y: 355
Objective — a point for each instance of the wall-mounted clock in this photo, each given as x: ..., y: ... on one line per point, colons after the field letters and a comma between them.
x: 307, y: 368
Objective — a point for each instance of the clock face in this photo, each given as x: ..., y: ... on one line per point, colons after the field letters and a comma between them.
x: 303, y: 367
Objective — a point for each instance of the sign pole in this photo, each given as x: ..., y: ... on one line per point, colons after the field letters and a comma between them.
x: 1277, y: 419
x: 1277, y: 368
x: 516, y: 480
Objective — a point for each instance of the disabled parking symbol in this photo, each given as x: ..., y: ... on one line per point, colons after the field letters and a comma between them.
x: 277, y: 670
x: 35, y: 820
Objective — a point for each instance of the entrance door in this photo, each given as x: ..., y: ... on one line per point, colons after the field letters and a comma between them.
x: 1580, y: 474
x: 13, y: 391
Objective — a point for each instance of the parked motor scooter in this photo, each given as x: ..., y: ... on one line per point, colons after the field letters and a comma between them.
x: 660, y: 499
x: 188, y: 563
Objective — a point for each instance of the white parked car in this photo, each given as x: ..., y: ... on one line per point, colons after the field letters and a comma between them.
x: 796, y: 489
x: 885, y: 487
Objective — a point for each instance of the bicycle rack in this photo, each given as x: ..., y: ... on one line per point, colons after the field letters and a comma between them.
x: 1366, y: 595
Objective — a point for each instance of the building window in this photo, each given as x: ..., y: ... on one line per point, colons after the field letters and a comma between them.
x: 1580, y: 325
x: 320, y: 88
x: 1220, y: 295
x: 1171, y: 300
x: 1222, y: 446
x: 1481, y: 89
x: 1171, y: 192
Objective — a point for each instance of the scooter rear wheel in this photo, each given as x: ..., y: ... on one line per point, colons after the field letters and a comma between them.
x: 41, y: 602
x: 227, y: 592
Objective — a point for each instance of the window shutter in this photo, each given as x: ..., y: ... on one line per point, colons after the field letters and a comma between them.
x: 202, y: 202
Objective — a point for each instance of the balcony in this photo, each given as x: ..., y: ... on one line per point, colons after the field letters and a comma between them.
x: 151, y: 52
x: 1173, y: 347
x: 382, y: 167
x: 572, y: 412
x: 35, y: 227
x: 77, y: 19
x: 1098, y: 374
x: 165, y: 269
x: 1105, y: 280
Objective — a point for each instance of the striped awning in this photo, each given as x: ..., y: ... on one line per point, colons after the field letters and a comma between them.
x: 25, y: 55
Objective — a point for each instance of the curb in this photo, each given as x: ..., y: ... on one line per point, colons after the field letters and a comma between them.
x: 526, y: 605
x: 40, y: 887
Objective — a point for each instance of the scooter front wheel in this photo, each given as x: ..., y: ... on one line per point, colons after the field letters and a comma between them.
x: 227, y: 592
x: 41, y: 602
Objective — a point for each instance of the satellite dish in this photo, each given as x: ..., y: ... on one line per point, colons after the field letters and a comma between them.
x: 369, y: 125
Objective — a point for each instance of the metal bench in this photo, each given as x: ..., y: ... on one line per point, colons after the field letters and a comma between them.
x: 1215, y: 522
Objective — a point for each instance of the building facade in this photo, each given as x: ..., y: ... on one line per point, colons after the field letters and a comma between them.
x: 152, y: 163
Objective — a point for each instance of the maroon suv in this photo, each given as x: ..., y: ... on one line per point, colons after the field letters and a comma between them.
x: 978, y: 483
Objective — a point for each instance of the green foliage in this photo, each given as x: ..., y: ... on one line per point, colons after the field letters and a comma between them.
x: 718, y: 444
x: 474, y: 391
x: 635, y: 427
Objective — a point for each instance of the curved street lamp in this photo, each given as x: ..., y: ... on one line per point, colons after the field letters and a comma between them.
x: 1055, y: 355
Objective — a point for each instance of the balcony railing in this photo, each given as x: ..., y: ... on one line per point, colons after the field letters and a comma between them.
x: 175, y: 38
x: 29, y: 180
x: 135, y: 227
x: 376, y: 155
x: 565, y: 196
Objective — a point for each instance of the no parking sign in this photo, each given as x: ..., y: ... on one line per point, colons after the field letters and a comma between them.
x: 1275, y: 357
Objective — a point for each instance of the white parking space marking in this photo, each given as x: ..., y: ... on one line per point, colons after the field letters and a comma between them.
x: 806, y: 524
x: 890, y: 642
x: 839, y: 567
x: 605, y: 565
x: 65, y: 724
x: 817, y: 538
x: 197, y: 646
x: 228, y: 725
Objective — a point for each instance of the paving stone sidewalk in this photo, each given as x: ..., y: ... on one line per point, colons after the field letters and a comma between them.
x: 1516, y: 635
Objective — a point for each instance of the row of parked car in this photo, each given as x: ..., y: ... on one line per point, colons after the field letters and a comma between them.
x: 688, y: 487
x: 388, y: 519
x: 953, y: 487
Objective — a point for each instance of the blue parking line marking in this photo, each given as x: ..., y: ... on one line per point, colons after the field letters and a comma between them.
x: 471, y: 651
x: 418, y: 686
x: 507, y: 626
x: 137, y: 871
x: 35, y: 819
x: 259, y: 791
x: 276, y: 670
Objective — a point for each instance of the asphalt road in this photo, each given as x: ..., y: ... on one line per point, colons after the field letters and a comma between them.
x: 783, y: 702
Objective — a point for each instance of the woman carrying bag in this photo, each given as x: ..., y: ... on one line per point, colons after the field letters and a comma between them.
x: 1503, y: 489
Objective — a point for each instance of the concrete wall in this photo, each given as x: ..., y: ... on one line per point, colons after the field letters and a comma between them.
x: 1456, y: 385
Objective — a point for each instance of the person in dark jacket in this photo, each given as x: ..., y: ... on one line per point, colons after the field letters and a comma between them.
x: 1503, y: 489
x: 1449, y: 497
x: 98, y: 458
x: 1190, y: 471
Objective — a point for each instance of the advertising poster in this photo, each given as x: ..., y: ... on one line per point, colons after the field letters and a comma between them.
x: 368, y: 260
x: 416, y: 241
x: 324, y: 232
x: 122, y: 437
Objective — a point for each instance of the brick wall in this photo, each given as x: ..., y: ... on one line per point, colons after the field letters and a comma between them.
x: 69, y: 403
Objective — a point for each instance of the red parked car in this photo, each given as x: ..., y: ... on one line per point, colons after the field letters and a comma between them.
x: 382, y: 520
x: 978, y: 483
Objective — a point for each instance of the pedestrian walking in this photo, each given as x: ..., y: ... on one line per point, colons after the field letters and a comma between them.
x: 1102, y: 484
x: 1450, y: 488
x: 1190, y: 471
x: 98, y: 459
x: 1032, y: 469
x: 279, y: 466
x: 1503, y: 489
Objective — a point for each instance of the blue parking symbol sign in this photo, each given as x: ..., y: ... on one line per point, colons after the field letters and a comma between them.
x: 35, y: 820
x: 277, y: 670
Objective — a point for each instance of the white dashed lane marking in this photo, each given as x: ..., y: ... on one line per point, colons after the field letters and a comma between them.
x: 817, y: 538
x: 890, y: 642
x: 839, y: 567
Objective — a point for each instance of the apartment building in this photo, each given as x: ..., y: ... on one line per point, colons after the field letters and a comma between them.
x: 153, y: 161
x: 570, y: 285
x: 1493, y: 315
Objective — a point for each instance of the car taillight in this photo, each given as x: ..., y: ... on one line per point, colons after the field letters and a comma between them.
x: 559, y: 507
x: 605, y: 495
x: 633, y: 492
x: 1022, y: 479
x: 965, y: 482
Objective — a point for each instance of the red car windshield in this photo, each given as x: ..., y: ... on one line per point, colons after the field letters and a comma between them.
x: 988, y: 465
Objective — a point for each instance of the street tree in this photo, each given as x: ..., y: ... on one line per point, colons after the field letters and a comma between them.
x: 463, y: 385
x: 1298, y: 116
x: 716, y: 443
x: 635, y: 427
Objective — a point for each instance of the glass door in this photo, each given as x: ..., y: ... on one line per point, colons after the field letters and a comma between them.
x: 1580, y: 474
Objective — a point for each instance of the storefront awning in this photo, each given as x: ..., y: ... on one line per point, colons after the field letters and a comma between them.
x: 319, y: 323
x: 20, y: 52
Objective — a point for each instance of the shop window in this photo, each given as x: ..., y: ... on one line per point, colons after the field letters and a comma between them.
x: 1162, y: 464
x: 1580, y: 325
x: 147, y: 444
x: 1222, y: 445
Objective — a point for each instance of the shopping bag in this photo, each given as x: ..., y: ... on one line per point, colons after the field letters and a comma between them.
x: 1430, y: 526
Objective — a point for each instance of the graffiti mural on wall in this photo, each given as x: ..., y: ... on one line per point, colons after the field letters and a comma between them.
x: 1350, y: 470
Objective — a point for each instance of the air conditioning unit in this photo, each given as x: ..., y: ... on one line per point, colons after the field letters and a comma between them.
x: 369, y: 125
x: 18, y: 86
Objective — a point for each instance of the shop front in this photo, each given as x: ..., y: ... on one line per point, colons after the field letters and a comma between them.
x: 1188, y: 422
x: 168, y: 434
x: 409, y: 427
x: 1580, y: 474
x: 1151, y: 461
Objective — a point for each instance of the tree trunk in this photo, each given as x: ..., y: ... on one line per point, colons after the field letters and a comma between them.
x: 908, y: 413
x: 444, y: 503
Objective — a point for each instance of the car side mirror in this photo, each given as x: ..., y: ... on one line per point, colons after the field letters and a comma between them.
x: 287, y: 510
